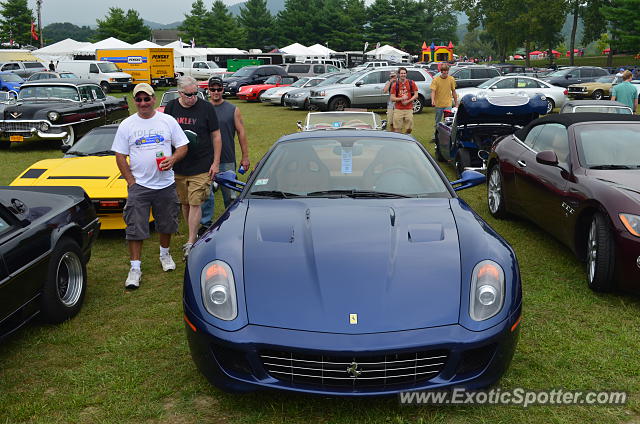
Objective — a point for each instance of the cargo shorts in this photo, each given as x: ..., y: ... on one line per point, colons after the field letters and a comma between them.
x: 141, y: 201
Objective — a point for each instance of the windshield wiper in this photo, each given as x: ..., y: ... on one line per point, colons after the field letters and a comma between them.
x: 76, y: 153
x: 103, y: 153
x: 357, y: 193
x: 274, y: 193
x: 611, y: 167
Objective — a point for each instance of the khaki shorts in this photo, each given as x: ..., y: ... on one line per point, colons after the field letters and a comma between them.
x: 390, y: 118
x: 193, y: 189
x: 402, y: 119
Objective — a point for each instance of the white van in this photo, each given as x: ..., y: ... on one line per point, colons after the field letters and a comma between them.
x: 106, y: 74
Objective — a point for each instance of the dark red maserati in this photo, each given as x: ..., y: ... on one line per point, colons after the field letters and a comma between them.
x: 577, y: 176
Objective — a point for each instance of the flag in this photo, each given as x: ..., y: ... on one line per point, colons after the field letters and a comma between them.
x: 193, y: 43
x: 377, y: 45
x: 34, y: 34
x: 366, y: 44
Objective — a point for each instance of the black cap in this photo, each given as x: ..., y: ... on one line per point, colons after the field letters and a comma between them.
x: 214, y: 81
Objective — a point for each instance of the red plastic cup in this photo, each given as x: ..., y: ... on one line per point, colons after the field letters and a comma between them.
x: 159, y: 160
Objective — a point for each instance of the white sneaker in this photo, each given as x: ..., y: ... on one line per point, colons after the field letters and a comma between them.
x: 167, y: 263
x: 186, y: 248
x: 133, y: 279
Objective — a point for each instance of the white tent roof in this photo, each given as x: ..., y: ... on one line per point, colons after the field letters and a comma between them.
x: 177, y: 52
x: 111, y: 43
x: 67, y: 45
x: 145, y: 44
x: 176, y: 45
x: 387, y: 50
x: 320, y: 49
x: 298, y: 49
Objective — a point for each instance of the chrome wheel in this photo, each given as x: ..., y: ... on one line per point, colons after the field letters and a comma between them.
x: 70, y: 138
x: 69, y: 279
x: 494, y: 191
x: 550, y: 105
x: 592, y: 250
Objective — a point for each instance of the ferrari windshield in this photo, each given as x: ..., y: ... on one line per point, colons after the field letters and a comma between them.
x: 96, y: 142
x: 365, y: 166
x: 609, y: 146
x: 34, y: 92
x: 490, y: 82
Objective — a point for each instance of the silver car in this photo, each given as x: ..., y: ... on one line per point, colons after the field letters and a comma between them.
x: 364, y: 89
x: 517, y: 85
x: 276, y: 95
x: 299, y: 98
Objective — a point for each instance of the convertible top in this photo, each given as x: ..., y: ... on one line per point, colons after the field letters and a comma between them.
x: 568, y: 119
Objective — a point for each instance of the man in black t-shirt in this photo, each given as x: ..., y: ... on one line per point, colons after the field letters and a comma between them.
x: 194, y: 173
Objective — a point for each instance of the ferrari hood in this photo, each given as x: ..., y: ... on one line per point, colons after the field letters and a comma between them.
x: 351, y: 265
x: 98, y: 175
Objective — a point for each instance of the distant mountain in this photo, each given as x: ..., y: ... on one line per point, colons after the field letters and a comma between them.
x: 156, y: 25
x: 274, y: 6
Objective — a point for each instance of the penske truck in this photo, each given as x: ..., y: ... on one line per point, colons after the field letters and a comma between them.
x: 151, y: 65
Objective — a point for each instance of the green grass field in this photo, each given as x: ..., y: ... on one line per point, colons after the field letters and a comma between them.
x: 124, y: 358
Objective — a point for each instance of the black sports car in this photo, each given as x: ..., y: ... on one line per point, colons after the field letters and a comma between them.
x: 58, y: 110
x: 46, y: 234
x: 577, y: 176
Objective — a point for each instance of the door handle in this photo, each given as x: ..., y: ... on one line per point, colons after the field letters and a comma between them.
x: 522, y: 163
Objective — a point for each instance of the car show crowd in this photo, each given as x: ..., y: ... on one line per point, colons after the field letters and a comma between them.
x: 533, y: 137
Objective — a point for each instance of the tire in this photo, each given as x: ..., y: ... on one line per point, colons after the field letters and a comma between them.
x: 259, y: 96
x: 310, y: 106
x: 600, y: 255
x: 597, y: 95
x: 495, y: 193
x: 463, y: 159
x: 70, y: 138
x: 66, y: 284
x: 339, y: 103
x: 282, y: 100
x: 105, y: 87
x: 418, y: 105
x: 550, y: 105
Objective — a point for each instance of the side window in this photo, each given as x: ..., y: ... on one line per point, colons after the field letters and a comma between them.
x: 527, y: 83
x: 533, y: 134
x: 11, y: 67
x: 463, y: 74
x: 371, y: 78
x: 288, y: 80
x: 600, y: 72
x: 318, y: 69
x: 586, y: 73
x: 415, y: 75
x: 93, y: 68
x: 97, y: 93
x: 553, y: 137
x: 506, y: 83
x: 85, y: 93
x: 331, y: 68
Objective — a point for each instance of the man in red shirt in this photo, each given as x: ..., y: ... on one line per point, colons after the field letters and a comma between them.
x: 403, y: 93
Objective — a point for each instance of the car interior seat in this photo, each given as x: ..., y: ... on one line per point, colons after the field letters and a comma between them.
x: 391, y: 171
x: 301, y: 171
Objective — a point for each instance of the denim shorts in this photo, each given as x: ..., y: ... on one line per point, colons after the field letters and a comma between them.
x: 141, y: 201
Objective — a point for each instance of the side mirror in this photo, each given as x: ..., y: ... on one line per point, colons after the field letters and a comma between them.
x: 383, y: 124
x: 568, y: 76
x: 359, y: 83
x: 228, y: 179
x: 65, y: 148
x: 469, y: 179
x: 547, y: 157
x: 299, y: 124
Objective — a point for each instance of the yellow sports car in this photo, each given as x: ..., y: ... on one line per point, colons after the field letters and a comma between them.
x: 91, y: 164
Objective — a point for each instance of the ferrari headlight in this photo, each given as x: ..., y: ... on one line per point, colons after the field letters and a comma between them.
x: 219, y: 290
x: 631, y: 223
x: 53, y: 116
x: 487, y: 290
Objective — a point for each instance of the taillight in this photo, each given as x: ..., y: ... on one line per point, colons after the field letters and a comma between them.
x: 109, y: 203
x: 566, y: 92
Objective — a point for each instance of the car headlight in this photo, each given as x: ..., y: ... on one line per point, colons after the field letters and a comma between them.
x: 219, y: 290
x: 53, y: 116
x: 296, y: 95
x: 44, y: 126
x: 631, y: 223
x: 233, y: 84
x: 487, y: 290
x: 112, y: 80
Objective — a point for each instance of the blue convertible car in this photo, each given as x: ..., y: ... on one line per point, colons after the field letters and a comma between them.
x: 349, y: 266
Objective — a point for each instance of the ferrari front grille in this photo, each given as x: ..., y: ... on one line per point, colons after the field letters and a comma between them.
x: 355, y: 372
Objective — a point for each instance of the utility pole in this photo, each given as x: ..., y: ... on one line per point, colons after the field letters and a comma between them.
x: 38, y: 6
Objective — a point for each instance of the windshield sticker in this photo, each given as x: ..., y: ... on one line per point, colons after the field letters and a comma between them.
x: 347, y: 161
x: 262, y: 181
x: 336, y: 124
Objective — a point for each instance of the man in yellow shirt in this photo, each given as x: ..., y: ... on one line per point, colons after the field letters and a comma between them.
x: 443, y: 93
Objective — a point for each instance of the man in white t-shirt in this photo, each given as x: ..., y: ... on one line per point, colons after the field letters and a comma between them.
x: 147, y: 138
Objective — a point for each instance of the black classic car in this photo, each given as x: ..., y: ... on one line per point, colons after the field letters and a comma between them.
x: 577, y: 176
x: 58, y: 110
x: 46, y: 234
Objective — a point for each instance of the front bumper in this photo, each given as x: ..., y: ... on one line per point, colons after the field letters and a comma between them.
x: 19, y: 131
x: 237, y: 361
x: 248, y: 96
x: 271, y: 98
x: 295, y: 102
x: 319, y: 102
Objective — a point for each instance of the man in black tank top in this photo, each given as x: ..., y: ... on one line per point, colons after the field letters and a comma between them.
x: 230, y: 123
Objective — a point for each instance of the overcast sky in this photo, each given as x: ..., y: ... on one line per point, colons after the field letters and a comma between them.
x: 85, y: 12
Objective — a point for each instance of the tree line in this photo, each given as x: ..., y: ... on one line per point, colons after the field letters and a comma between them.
x: 496, y: 27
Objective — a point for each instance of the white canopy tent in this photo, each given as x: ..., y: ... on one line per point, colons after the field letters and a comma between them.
x: 388, y: 52
x: 146, y: 44
x: 178, y: 44
x: 107, y: 43
x: 323, y: 50
x: 62, y: 50
x: 303, y: 53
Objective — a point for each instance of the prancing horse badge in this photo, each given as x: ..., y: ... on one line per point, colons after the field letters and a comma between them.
x: 353, y: 318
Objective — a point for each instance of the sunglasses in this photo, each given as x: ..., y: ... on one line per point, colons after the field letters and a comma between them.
x: 142, y: 99
x: 190, y: 94
x: 215, y: 89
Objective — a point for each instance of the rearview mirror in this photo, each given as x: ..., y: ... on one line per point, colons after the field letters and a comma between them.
x: 228, y: 179
x: 469, y: 179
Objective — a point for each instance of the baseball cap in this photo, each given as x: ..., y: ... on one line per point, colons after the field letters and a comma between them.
x: 143, y: 87
x: 214, y: 81
x: 622, y: 69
